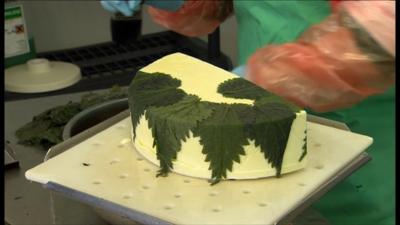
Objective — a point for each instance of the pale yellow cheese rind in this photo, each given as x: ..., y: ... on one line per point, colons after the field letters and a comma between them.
x: 197, y: 77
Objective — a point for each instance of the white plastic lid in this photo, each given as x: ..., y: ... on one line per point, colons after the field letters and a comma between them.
x: 41, y: 75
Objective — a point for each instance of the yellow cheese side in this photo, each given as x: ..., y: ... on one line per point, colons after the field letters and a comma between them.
x: 202, y: 79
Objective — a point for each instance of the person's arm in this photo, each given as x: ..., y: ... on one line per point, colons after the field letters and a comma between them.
x: 187, y: 17
x: 336, y: 63
x: 194, y: 18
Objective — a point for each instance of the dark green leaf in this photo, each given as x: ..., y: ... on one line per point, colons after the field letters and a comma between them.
x: 39, y: 133
x: 271, y: 130
x: 45, y: 129
x: 53, y: 135
x: 152, y: 89
x: 171, y: 124
x: 268, y: 123
x: 60, y: 115
x: 276, y: 99
x: 222, y: 137
x: 304, y: 147
x: 223, y: 129
x: 92, y: 99
x: 29, y: 133
x: 241, y: 88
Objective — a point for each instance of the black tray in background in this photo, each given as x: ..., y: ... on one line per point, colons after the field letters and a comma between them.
x: 107, y: 64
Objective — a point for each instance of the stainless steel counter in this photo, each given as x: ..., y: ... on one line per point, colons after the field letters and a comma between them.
x: 30, y: 203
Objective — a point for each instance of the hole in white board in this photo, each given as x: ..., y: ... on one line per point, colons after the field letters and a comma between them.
x: 168, y: 207
x: 262, y: 204
x: 216, y: 209
x: 177, y: 195
x: 319, y: 167
x: 213, y: 193
x: 116, y: 160
x: 127, y: 196
x: 97, y: 182
x: 246, y: 191
x: 123, y: 176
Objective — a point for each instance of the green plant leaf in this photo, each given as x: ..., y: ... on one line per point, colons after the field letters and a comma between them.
x: 241, y: 88
x: 304, y: 147
x: 171, y: 124
x: 268, y: 123
x: 92, y: 99
x: 152, y: 89
x: 276, y: 99
x: 223, y: 128
x: 46, y: 128
x: 270, y: 131
x: 60, y: 115
x: 222, y: 137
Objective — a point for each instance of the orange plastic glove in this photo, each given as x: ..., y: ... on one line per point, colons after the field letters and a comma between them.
x: 194, y: 18
x: 336, y: 63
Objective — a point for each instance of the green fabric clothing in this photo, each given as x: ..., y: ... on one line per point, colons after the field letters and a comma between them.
x: 367, y: 196
x: 274, y: 22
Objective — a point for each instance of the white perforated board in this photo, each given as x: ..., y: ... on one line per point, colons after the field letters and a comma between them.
x: 115, y: 172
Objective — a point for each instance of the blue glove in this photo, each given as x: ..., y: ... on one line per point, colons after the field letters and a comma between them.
x: 240, y: 71
x: 125, y: 7
x: 128, y: 7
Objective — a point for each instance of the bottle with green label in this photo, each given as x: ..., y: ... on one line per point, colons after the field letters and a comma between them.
x: 18, y: 45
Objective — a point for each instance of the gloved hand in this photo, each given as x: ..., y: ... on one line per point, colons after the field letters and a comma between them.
x: 128, y: 7
x: 194, y: 18
x: 334, y: 64
x: 125, y: 7
x: 240, y: 71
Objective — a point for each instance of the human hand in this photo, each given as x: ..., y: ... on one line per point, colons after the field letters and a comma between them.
x: 334, y: 64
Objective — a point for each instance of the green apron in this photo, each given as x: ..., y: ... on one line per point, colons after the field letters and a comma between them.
x: 367, y: 196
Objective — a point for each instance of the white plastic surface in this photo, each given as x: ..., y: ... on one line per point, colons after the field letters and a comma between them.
x: 41, y: 75
x: 114, y: 171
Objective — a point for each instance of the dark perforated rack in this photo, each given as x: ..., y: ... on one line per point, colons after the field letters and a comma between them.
x: 104, y: 65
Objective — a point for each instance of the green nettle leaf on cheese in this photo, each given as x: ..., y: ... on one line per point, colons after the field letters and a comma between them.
x: 223, y: 128
x: 152, y: 89
x: 268, y: 122
x: 222, y: 137
x: 276, y: 99
x: 171, y: 124
x: 270, y: 131
x: 269, y: 126
x: 241, y: 88
x: 304, y: 147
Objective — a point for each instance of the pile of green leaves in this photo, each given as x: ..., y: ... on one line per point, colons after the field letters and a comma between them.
x: 224, y: 129
x: 45, y: 130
